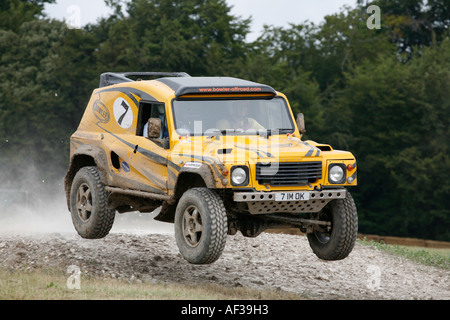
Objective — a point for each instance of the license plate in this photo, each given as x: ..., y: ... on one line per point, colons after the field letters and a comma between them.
x: 291, y: 196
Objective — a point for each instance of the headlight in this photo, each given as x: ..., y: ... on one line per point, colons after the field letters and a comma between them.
x: 239, y: 176
x: 336, y: 173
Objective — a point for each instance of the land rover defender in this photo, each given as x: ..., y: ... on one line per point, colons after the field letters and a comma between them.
x: 218, y: 155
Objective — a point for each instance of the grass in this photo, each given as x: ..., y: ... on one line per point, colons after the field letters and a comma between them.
x: 428, y: 256
x: 48, y: 285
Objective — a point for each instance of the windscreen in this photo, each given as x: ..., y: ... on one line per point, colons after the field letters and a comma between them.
x: 248, y: 116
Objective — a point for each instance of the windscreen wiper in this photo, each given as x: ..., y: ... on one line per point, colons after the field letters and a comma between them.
x: 285, y: 130
x: 217, y: 132
x: 266, y: 133
x: 269, y: 132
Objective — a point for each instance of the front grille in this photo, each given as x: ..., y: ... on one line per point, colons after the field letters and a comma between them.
x: 288, y: 173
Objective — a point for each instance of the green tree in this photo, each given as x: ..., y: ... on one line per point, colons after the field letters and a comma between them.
x: 414, y: 24
x: 396, y: 117
x: 15, y: 12
x: 342, y: 42
x: 46, y: 76
x: 200, y: 37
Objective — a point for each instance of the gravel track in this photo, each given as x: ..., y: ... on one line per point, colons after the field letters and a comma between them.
x: 278, y: 261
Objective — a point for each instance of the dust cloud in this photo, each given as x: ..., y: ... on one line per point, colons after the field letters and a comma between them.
x: 39, y: 207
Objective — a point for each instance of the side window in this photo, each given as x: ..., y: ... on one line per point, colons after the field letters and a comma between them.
x: 149, y: 110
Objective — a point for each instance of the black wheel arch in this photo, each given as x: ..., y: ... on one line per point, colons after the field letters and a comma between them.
x: 85, y: 156
x: 187, y: 178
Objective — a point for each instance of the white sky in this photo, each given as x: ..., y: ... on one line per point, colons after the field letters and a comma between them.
x: 271, y: 12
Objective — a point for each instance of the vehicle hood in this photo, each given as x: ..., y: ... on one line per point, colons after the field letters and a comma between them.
x: 239, y: 149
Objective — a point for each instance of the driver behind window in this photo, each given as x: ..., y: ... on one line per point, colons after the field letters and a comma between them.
x: 161, y: 115
x: 238, y: 118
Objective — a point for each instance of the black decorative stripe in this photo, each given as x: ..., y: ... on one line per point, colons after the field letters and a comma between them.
x: 130, y: 92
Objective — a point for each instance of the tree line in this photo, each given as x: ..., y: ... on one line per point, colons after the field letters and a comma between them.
x: 382, y: 94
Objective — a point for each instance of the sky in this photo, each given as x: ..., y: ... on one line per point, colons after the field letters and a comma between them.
x: 272, y: 12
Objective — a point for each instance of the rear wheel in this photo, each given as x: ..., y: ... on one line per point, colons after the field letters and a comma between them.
x: 338, y: 242
x: 88, y: 204
x: 200, y: 226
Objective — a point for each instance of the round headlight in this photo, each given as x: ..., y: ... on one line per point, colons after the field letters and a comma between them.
x: 238, y: 176
x: 336, y: 174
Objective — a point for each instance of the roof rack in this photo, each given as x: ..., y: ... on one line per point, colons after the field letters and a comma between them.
x: 111, y: 78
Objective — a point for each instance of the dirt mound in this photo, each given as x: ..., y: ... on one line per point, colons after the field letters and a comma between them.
x: 268, y: 261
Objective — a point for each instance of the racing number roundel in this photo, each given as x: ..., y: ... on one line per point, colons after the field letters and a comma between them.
x: 123, y: 113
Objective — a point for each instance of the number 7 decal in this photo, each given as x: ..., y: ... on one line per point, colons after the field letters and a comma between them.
x: 123, y: 113
x: 126, y: 107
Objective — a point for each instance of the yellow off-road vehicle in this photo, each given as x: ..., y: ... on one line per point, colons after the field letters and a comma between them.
x: 217, y: 154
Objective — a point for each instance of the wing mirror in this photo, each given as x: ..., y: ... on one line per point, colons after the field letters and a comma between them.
x: 301, y: 123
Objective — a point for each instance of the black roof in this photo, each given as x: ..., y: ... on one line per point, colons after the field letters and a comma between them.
x: 184, y: 84
x: 213, y: 85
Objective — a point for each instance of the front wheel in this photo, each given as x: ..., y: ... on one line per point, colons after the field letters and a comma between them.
x: 338, y: 242
x: 200, y: 226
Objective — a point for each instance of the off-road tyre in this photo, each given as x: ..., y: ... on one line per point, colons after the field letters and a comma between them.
x: 339, y: 242
x: 200, y: 226
x: 88, y: 204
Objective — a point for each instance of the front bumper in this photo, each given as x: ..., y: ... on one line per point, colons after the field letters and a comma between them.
x: 266, y: 203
